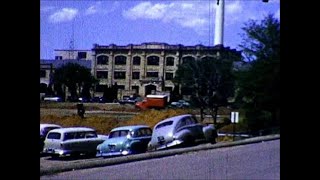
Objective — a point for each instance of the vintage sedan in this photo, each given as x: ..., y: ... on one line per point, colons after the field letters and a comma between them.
x: 72, y: 141
x: 44, y: 129
x: 180, y: 130
x: 125, y: 140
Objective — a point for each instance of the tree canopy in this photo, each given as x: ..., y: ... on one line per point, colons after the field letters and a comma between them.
x: 259, y: 85
x: 77, y: 78
x: 210, y: 82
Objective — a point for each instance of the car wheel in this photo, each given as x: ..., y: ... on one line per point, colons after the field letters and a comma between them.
x: 54, y: 156
x: 189, y: 141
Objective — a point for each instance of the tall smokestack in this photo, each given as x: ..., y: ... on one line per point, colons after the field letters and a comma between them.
x: 218, y: 34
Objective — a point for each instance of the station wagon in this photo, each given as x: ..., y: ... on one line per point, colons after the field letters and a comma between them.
x: 71, y: 141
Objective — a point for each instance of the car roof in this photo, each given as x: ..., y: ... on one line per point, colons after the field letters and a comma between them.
x: 72, y: 129
x: 130, y: 128
x: 175, y: 119
x: 49, y: 125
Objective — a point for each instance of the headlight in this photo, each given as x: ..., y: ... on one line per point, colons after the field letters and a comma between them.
x: 125, y: 152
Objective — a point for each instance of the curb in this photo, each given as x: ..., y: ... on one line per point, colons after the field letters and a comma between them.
x: 150, y: 155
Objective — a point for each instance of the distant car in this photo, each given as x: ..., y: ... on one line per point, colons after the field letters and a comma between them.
x: 180, y: 104
x: 72, y: 141
x: 52, y: 99
x: 129, y: 100
x: 44, y: 129
x: 180, y: 130
x: 125, y: 140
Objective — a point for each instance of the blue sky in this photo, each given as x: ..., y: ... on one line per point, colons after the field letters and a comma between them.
x: 123, y: 22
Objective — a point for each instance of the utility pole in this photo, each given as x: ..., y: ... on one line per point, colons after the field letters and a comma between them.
x: 219, y: 22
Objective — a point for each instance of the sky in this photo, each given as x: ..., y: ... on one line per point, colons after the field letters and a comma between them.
x: 123, y: 22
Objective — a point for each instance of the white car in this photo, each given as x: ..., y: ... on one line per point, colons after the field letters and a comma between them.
x: 52, y: 99
x: 72, y: 141
x: 180, y: 130
x: 44, y: 129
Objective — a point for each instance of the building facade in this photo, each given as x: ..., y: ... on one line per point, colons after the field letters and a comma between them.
x: 66, y: 54
x: 146, y: 68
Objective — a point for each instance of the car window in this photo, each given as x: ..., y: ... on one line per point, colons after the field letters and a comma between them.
x: 120, y: 133
x: 91, y: 134
x: 146, y: 131
x: 167, y: 123
x: 54, y: 135
x: 80, y: 135
x: 70, y: 135
x: 181, y: 123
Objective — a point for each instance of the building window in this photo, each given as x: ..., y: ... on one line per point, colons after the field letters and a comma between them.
x: 136, y: 60
x: 43, y: 73
x: 100, y: 88
x: 169, y: 76
x: 153, y: 60
x: 119, y: 75
x: 135, y: 75
x: 170, y: 61
x: 102, y: 74
x: 120, y: 60
x: 82, y: 55
x: 58, y: 57
x: 121, y: 87
x: 136, y: 88
x: 102, y: 60
x: 153, y: 74
x: 187, y: 59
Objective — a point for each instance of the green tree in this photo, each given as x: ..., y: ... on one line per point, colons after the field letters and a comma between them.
x: 259, y: 85
x: 210, y: 81
x: 77, y: 78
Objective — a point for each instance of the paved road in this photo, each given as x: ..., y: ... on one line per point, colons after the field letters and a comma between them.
x: 253, y: 161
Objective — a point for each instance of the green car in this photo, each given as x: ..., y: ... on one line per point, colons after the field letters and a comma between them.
x: 125, y: 140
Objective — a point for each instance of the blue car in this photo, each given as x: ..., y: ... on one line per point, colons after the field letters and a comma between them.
x: 125, y: 140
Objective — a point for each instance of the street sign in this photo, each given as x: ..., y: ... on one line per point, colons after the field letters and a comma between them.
x: 234, y: 117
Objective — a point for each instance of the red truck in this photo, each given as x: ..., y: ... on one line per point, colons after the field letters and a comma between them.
x: 153, y: 102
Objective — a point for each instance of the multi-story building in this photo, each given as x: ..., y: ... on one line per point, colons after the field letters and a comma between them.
x: 142, y: 69
x: 67, y: 54
x: 147, y: 67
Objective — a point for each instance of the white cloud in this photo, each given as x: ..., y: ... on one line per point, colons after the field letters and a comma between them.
x: 198, y: 15
x: 63, y: 15
x: 46, y: 8
x: 101, y: 8
x: 93, y: 9
x: 234, y: 7
x: 186, y: 14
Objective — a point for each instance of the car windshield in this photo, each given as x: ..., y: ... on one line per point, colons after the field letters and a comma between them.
x: 167, y: 123
x: 54, y: 135
x: 120, y: 133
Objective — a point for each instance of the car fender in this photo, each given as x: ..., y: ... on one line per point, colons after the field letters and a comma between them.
x: 209, y: 132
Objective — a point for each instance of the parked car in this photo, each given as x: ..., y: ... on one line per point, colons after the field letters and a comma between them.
x: 125, y: 140
x: 180, y: 104
x: 52, y: 99
x: 44, y: 129
x: 180, y: 130
x: 71, y: 141
x: 130, y: 100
